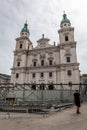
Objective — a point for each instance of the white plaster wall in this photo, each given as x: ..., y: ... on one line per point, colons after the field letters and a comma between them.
x: 23, y: 60
x: 62, y: 56
x: 15, y: 61
x: 73, y: 57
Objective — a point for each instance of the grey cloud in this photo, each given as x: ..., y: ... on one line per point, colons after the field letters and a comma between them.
x: 43, y: 16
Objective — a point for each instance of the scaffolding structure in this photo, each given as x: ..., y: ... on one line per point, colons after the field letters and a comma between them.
x: 27, y: 97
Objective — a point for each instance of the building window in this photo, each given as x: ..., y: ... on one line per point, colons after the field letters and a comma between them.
x: 22, y: 33
x: 50, y: 74
x: 34, y: 63
x: 42, y: 62
x: 69, y: 72
x: 66, y: 38
x: 67, y: 59
x: 33, y: 75
x: 20, y: 45
x: 42, y: 75
x: 50, y: 62
x: 17, y: 75
x: 18, y: 64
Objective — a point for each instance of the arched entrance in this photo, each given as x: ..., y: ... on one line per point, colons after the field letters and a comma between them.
x: 33, y: 87
x: 50, y: 87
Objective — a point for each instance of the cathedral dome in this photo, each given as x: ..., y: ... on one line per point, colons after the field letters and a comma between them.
x: 25, y: 28
x: 65, y: 20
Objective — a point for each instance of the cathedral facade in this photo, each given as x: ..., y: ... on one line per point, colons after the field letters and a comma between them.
x: 46, y: 63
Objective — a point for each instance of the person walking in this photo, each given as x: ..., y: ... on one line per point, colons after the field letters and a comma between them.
x: 77, y: 101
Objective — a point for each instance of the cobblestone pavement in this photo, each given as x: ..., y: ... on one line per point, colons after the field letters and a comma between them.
x: 63, y: 120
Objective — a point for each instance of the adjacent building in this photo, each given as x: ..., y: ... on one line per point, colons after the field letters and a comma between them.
x: 4, y: 78
x: 46, y: 63
x: 84, y: 83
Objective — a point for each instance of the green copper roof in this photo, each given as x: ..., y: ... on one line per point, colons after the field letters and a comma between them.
x: 65, y: 20
x: 25, y: 28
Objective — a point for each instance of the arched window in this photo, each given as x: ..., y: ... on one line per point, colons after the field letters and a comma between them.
x: 41, y: 74
x: 33, y: 75
x: 22, y: 33
x: 68, y: 59
x: 42, y: 62
x: 50, y: 62
x: 18, y: 64
x: 69, y: 72
x: 20, y: 45
x: 17, y: 75
x: 34, y: 63
x: 66, y: 38
x: 50, y: 74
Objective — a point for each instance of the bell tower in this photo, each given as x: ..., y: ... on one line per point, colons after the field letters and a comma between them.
x: 66, y: 32
x: 68, y: 57
x: 23, y: 45
x: 23, y: 42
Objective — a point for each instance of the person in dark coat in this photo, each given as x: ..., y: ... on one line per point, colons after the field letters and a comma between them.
x: 77, y: 101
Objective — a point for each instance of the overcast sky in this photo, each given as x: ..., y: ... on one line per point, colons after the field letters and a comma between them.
x: 43, y: 16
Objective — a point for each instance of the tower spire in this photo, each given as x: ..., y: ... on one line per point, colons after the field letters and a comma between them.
x: 65, y: 19
x: 64, y: 15
x: 25, y: 30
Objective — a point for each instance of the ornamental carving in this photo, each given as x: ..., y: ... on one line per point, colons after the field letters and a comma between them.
x: 34, y: 60
x: 67, y: 33
x: 50, y: 53
x: 21, y: 42
x: 42, y: 55
x: 34, y: 55
x: 50, y: 58
x: 19, y: 58
x: 67, y: 51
